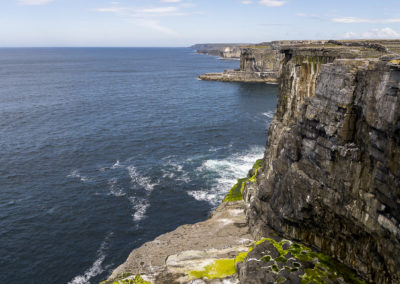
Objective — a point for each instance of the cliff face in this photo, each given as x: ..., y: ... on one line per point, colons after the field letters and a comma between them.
x: 228, y: 51
x: 331, y: 175
x: 330, y: 179
x: 258, y: 63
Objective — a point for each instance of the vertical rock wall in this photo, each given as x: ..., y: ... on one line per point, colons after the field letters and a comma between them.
x: 331, y: 175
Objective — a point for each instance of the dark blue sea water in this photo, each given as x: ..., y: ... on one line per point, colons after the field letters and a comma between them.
x: 103, y: 149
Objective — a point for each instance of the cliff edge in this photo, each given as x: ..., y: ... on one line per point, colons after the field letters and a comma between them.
x: 331, y: 175
x: 323, y: 205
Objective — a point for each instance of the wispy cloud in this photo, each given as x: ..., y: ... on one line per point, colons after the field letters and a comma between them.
x: 354, y: 20
x: 139, y: 12
x: 33, y: 2
x: 146, y: 17
x: 171, y: 1
x: 384, y: 33
x: 272, y: 3
x: 247, y: 2
x: 156, y: 26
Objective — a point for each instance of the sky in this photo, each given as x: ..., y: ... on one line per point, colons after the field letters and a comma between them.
x: 169, y: 23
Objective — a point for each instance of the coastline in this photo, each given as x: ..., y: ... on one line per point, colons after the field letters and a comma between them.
x: 221, y: 250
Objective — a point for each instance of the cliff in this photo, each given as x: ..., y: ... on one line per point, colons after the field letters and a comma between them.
x: 223, y: 50
x: 323, y: 205
x: 258, y: 63
x: 331, y: 175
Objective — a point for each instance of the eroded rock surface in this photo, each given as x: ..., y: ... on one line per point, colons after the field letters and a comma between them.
x: 331, y: 175
x: 181, y: 255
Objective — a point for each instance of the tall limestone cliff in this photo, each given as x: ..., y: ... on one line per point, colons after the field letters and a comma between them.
x: 331, y: 174
x: 325, y: 197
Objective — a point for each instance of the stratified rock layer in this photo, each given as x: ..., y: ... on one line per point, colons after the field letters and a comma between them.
x: 258, y: 63
x: 331, y: 175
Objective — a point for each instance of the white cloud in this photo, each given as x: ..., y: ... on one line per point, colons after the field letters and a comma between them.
x: 156, y: 26
x: 381, y: 33
x: 354, y: 20
x: 272, y: 3
x: 146, y: 17
x: 33, y: 2
x: 247, y: 2
x: 171, y: 1
x: 385, y: 33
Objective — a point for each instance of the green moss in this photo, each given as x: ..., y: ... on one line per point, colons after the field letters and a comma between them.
x: 235, y: 193
x: 261, y: 241
x: 281, y: 280
x: 241, y: 256
x: 137, y: 280
x: 281, y: 259
x: 275, y: 268
x: 220, y: 268
x: 266, y: 258
x: 325, y: 267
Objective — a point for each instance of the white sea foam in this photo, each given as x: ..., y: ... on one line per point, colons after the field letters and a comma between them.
x: 269, y: 114
x: 116, y: 165
x: 175, y: 171
x: 140, y: 207
x: 215, y: 149
x: 142, y: 181
x: 76, y: 174
x: 227, y: 171
x: 115, y: 190
x: 97, y: 266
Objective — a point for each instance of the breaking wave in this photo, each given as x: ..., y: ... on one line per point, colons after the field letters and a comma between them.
x: 142, y: 181
x: 224, y: 173
x: 140, y: 206
x: 76, y: 174
x: 269, y: 114
x: 97, y: 266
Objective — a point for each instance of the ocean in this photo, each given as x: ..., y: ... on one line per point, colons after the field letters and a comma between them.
x: 103, y: 149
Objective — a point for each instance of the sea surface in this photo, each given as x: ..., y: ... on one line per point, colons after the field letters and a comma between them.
x: 103, y: 149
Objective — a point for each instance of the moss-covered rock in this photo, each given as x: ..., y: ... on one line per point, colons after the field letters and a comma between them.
x: 235, y: 193
x: 271, y: 259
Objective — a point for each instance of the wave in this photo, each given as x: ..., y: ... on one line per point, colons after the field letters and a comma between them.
x: 76, y: 174
x: 143, y: 181
x: 269, y: 114
x: 175, y: 171
x: 224, y: 174
x: 115, y: 190
x: 116, y: 165
x: 97, y: 266
x: 215, y: 149
x: 140, y: 207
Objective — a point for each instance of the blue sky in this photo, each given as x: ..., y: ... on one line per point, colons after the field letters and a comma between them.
x: 185, y: 22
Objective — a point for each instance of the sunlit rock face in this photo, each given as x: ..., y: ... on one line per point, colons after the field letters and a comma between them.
x: 331, y: 174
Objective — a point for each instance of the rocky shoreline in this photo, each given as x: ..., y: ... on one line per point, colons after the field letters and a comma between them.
x: 222, y: 250
x: 323, y: 205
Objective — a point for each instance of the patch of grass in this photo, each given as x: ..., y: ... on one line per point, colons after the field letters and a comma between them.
x: 325, y: 267
x: 137, y: 280
x: 266, y: 258
x: 235, y: 193
x: 220, y: 268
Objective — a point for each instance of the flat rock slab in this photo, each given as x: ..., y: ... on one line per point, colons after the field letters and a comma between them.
x: 170, y: 257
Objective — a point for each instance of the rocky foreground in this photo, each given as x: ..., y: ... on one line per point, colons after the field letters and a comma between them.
x: 323, y: 205
x: 221, y: 250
